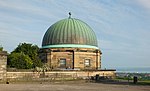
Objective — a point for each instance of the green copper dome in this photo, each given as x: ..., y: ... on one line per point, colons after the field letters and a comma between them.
x: 70, y: 32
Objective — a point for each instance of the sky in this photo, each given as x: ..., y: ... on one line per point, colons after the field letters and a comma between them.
x: 122, y: 27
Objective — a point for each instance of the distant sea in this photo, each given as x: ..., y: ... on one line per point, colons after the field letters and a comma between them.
x: 134, y: 70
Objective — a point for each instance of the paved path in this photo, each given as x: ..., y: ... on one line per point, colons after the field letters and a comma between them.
x: 71, y: 87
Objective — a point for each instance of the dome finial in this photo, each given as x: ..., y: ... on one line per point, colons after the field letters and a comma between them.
x: 69, y: 14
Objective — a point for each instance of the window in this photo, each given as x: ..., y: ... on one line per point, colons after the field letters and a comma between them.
x: 62, y: 62
x: 87, y: 62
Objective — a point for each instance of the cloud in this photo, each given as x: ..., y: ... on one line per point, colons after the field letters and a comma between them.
x: 145, y: 3
x: 122, y: 27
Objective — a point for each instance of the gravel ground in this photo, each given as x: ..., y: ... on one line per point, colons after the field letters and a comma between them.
x: 71, y: 87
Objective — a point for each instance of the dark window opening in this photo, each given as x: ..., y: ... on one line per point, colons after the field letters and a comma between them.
x: 87, y: 62
x: 62, y: 62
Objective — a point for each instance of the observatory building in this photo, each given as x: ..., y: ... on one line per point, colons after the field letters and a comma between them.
x: 71, y: 44
x: 69, y: 50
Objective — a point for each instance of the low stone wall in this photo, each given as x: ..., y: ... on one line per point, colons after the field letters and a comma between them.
x: 54, y: 75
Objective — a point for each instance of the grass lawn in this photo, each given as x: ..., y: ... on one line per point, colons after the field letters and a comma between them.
x: 130, y: 81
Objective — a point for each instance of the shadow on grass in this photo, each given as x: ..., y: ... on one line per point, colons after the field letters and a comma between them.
x: 121, y: 82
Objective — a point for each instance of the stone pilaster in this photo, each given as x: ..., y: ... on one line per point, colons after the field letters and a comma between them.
x: 3, y: 66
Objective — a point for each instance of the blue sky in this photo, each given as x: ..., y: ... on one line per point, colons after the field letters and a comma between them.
x: 122, y: 26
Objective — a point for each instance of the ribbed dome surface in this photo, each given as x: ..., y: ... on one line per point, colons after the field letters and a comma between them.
x: 69, y: 31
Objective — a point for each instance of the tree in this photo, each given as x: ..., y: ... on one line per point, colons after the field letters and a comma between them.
x: 27, y: 49
x: 20, y: 61
x: 1, y: 48
x: 31, y: 51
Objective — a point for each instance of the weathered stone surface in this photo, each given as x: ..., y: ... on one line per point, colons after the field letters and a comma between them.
x: 3, y: 65
x: 59, y: 74
x: 75, y: 58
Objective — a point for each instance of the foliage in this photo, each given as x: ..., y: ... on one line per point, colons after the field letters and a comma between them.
x: 141, y: 76
x: 1, y: 48
x: 29, y: 50
x: 19, y: 60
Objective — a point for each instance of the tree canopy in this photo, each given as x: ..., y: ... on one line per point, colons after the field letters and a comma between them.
x: 29, y: 54
x: 1, y: 48
x: 20, y: 61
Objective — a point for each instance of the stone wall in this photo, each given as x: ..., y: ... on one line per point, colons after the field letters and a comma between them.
x: 3, y: 65
x: 75, y: 58
x: 53, y: 75
x: 80, y: 60
x: 56, y: 56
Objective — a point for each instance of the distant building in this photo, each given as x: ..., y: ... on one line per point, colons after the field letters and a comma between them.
x: 71, y: 44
